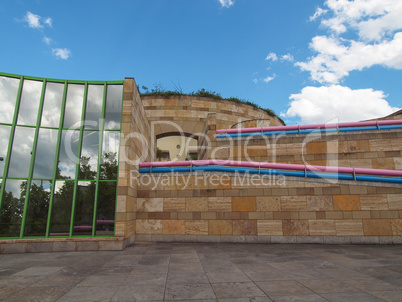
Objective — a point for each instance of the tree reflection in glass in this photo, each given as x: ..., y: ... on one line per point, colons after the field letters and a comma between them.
x: 68, y: 154
x: 12, y: 206
x: 84, y: 208
x: 45, y: 153
x: 37, y: 207
x: 61, y: 208
x: 106, y: 208
x: 110, y: 147
x: 89, y: 155
x: 8, y: 97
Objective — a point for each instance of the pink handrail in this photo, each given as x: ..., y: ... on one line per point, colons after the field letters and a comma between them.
x: 313, y: 126
x: 280, y: 166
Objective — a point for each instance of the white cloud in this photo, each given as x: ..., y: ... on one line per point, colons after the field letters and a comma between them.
x: 376, y: 22
x: 319, y: 12
x: 271, y: 56
x: 47, y: 40
x: 33, y: 20
x: 49, y: 21
x: 226, y: 3
x: 287, y: 57
x: 62, y: 53
x: 255, y: 81
x: 335, y: 59
x: 320, y: 104
x: 269, y: 78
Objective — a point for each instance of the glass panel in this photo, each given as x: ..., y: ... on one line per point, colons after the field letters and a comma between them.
x: 30, y: 97
x: 52, y: 105
x: 8, y: 97
x: 93, y: 111
x: 21, y: 152
x: 45, y: 153
x: 110, y: 148
x: 68, y: 154
x: 37, y: 208
x: 12, y: 207
x: 114, y: 100
x: 89, y: 155
x: 84, y: 208
x: 73, y: 111
x: 106, y: 208
x: 4, y: 139
x: 61, y: 208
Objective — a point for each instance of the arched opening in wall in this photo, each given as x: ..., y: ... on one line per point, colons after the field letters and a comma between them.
x: 175, y: 146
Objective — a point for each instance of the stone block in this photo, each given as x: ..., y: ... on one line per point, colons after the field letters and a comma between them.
x: 111, y: 245
x: 319, y: 203
x: 377, y: 227
x: 173, y: 227
x: 244, y: 204
x: 346, y: 202
x: 322, y: 227
x: 64, y: 246
x: 293, y: 203
x: 174, y: 204
x: 394, y: 201
x: 295, y: 227
x: 396, y: 225
x: 197, y: 204
x: 269, y: 227
x: 149, y: 226
x: 374, y: 202
x: 220, y: 227
x: 219, y: 204
x: 245, y: 227
x: 87, y: 245
x: 196, y: 227
x: 149, y: 204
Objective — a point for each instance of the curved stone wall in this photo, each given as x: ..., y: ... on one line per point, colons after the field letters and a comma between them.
x: 190, y: 113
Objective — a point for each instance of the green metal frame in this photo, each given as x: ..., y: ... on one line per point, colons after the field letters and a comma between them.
x: 37, y: 127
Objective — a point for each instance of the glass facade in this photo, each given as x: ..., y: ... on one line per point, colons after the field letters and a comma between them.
x: 59, y: 149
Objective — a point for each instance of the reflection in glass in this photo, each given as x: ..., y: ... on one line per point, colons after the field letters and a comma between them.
x: 84, y: 208
x: 61, y: 208
x: 73, y: 111
x: 89, y: 155
x: 68, y: 154
x: 110, y: 147
x: 37, y: 207
x: 4, y: 139
x: 45, y: 153
x: 8, y: 97
x: 114, y: 99
x: 52, y: 105
x: 93, y: 111
x: 12, y: 206
x: 21, y: 152
x: 106, y: 208
x: 30, y: 97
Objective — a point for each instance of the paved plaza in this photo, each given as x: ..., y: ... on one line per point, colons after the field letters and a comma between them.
x: 207, y: 272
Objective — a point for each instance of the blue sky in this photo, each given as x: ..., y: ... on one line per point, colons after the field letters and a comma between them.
x: 310, y: 61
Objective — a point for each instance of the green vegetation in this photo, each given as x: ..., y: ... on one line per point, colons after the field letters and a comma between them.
x: 158, y: 90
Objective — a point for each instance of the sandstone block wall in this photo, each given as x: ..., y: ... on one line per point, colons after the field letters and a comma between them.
x: 194, y: 208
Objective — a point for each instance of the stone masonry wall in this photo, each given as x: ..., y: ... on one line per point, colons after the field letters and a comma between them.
x: 135, y: 147
x: 378, y: 149
x: 224, y: 208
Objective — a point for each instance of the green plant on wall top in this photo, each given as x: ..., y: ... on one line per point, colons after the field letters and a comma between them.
x: 158, y: 90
